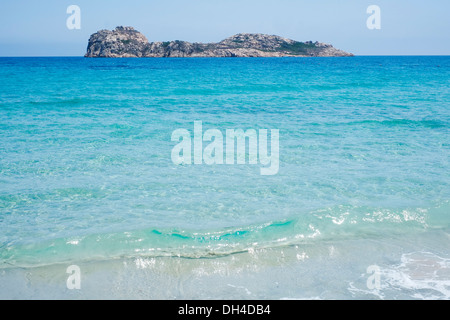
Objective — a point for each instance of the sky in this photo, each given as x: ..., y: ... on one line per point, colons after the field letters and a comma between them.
x: 408, y: 27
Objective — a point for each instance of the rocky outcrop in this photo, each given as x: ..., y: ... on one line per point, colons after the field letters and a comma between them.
x: 125, y: 42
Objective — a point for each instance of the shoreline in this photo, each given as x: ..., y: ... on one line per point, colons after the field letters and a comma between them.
x: 327, y: 270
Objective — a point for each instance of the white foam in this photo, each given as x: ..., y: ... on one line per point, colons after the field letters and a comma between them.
x: 425, y: 274
x: 419, y: 275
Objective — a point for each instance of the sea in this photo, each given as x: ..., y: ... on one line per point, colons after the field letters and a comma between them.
x: 93, y: 205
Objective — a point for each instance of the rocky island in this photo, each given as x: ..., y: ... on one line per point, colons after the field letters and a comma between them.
x: 126, y: 42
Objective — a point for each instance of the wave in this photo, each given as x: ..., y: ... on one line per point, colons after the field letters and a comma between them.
x: 66, y: 102
x: 404, y: 122
x: 328, y: 224
x: 430, y: 124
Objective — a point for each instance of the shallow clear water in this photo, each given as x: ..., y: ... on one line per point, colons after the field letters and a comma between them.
x: 86, y: 174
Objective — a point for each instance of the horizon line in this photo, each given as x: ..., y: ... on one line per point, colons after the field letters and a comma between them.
x: 354, y: 55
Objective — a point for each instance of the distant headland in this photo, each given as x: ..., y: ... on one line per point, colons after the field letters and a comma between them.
x: 126, y: 42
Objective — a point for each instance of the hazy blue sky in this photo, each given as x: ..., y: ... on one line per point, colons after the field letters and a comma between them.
x: 36, y: 28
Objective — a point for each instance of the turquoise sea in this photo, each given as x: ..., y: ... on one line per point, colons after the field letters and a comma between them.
x: 86, y: 179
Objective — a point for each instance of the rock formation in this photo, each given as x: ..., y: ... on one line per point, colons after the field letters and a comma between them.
x: 126, y: 42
